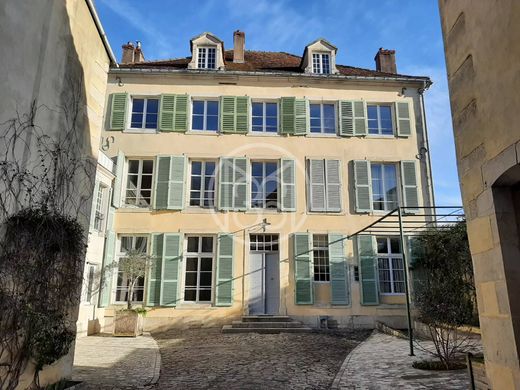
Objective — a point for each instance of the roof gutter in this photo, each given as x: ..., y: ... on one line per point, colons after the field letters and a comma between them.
x: 423, y: 80
x: 101, y: 32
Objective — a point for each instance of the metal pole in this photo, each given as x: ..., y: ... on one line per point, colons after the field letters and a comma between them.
x: 407, y: 290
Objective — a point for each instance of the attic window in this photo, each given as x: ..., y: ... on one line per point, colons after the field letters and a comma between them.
x: 321, y: 63
x: 206, y: 57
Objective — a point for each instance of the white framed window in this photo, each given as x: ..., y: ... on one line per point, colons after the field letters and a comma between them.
x: 145, y: 112
x: 202, y: 183
x: 99, y: 216
x: 323, y: 118
x: 206, y: 57
x: 390, y: 266
x: 264, y: 184
x: 384, y: 186
x: 126, y: 243
x: 321, y: 63
x: 320, y: 253
x: 198, y: 273
x: 264, y: 117
x: 204, y: 115
x: 380, y: 119
x: 89, y: 283
x: 139, y: 183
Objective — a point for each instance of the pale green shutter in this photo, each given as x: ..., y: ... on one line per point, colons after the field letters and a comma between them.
x: 301, y: 117
x: 162, y: 182
x: 226, y: 177
x: 287, y: 117
x: 93, y: 205
x: 224, y: 288
x: 287, y: 185
x: 317, y: 185
x: 404, y: 128
x: 180, y: 120
x: 360, y: 118
x: 333, y: 185
x: 368, y: 270
x: 153, y: 292
x: 410, y: 190
x: 242, y: 114
x: 118, y: 111
x: 339, y: 282
x: 169, y: 182
x: 240, y: 168
x: 346, y: 118
x: 363, y: 186
x: 415, y: 253
x: 227, y: 114
x: 105, y: 285
x: 172, y: 257
x: 166, y: 112
x: 117, y: 196
x: 303, y: 269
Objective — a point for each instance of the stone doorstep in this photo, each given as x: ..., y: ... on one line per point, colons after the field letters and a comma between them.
x: 265, y: 324
x: 231, y: 329
x: 266, y: 318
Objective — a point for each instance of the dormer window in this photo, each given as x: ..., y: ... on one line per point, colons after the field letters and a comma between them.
x: 206, y: 57
x: 321, y: 63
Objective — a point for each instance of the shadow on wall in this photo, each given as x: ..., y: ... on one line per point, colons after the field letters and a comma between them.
x: 45, y: 150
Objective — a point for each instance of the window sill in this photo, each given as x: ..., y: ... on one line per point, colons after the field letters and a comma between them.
x: 321, y: 135
x: 203, y: 132
x: 130, y: 209
x: 199, y: 210
x: 262, y: 211
x: 262, y: 134
x: 326, y: 213
x: 381, y: 136
x: 321, y: 282
x: 191, y: 306
x: 140, y: 131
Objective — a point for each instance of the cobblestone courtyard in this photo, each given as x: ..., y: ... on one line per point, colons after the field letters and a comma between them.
x: 208, y: 359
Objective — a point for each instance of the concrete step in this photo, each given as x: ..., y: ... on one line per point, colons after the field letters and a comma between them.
x: 265, y: 324
x: 231, y: 329
x: 266, y: 318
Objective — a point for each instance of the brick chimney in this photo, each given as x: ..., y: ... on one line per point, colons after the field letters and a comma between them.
x: 138, y: 53
x: 128, y: 53
x: 385, y: 61
x: 239, y: 46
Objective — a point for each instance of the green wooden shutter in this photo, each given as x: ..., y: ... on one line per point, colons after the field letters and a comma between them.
x: 117, y: 196
x: 368, y: 270
x: 303, y: 269
x: 224, y: 288
x: 339, y: 282
x: 227, y: 114
x: 166, y: 112
x: 118, y: 111
x: 93, y: 205
x: 404, y: 128
x: 162, y: 181
x: 360, y: 118
x: 242, y: 114
x: 172, y: 257
x: 317, y: 185
x: 105, y: 286
x: 301, y: 116
x: 409, y: 185
x: 415, y: 253
x: 240, y: 167
x: 333, y: 183
x: 346, y: 118
x: 287, y: 117
x: 226, y: 177
x: 180, y: 119
x: 153, y: 292
x: 287, y: 185
x: 363, y: 186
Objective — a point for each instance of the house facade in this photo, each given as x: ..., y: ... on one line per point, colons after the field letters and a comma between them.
x: 242, y: 173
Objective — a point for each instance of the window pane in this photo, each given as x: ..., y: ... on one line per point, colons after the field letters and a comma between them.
x: 205, y: 279
x: 148, y: 166
x: 137, y: 120
x: 153, y: 106
x: 191, y: 263
x: 395, y: 245
x: 133, y: 166
x: 195, y: 182
x: 205, y: 295
x: 315, y: 111
x: 196, y: 168
x: 210, y: 168
x: 207, y: 244
x: 257, y: 169
x: 212, y: 123
x: 271, y: 169
x: 146, y: 182
x: 126, y: 243
x: 212, y: 108
x: 271, y: 109
x: 151, y: 121
x: 140, y: 244
x: 190, y: 295
x: 191, y: 279
x: 193, y: 244
x: 271, y: 121
x: 138, y: 105
x: 206, y: 264
x: 385, y: 113
x: 382, y: 245
x: 198, y: 107
x: 372, y: 112
x: 257, y: 109
x: 258, y: 121
x: 197, y: 122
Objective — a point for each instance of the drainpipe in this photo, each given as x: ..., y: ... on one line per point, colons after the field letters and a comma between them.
x: 426, y: 143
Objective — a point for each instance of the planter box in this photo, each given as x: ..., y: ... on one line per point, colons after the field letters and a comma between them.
x: 128, y: 323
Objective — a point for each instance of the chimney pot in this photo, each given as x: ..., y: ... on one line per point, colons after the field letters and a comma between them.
x: 128, y: 53
x: 385, y: 61
x: 239, y: 46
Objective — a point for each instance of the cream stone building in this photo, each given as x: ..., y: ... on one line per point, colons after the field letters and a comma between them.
x: 482, y: 53
x: 242, y: 173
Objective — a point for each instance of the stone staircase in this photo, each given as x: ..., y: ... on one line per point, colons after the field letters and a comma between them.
x: 266, y: 324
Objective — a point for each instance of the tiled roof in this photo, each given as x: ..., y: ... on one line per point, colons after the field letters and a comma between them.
x: 264, y: 61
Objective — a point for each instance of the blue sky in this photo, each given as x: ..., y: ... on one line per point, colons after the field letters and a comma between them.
x: 357, y: 27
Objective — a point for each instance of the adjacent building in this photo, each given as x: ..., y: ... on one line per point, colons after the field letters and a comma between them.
x: 482, y: 52
x: 242, y: 173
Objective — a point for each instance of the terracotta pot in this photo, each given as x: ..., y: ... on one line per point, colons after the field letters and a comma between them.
x: 128, y: 323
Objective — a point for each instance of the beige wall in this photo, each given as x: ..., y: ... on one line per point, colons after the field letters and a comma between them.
x: 193, y: 220
x: 52, y: 50
x: 482, y: 51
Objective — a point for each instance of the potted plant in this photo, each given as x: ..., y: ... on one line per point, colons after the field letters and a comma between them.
x: 129, y: 321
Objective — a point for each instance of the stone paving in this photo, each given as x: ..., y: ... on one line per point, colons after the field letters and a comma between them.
x: 382, y: 362
x: 207, y: 359
x: 106, y: 362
